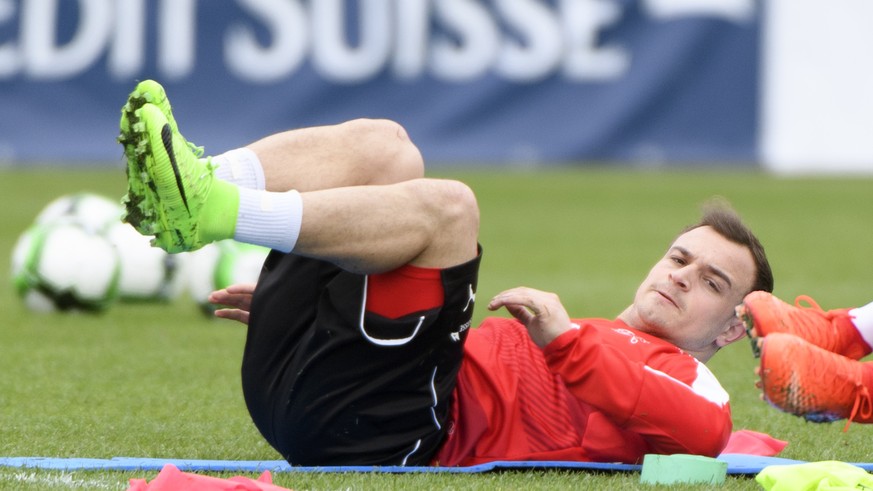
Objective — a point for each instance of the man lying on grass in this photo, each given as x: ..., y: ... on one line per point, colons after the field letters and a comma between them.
x: 359, y: 347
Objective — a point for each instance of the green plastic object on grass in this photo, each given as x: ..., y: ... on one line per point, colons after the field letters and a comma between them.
x: 682, y: 468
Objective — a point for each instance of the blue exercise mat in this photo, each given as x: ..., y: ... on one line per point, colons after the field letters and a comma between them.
x: 737, y: 464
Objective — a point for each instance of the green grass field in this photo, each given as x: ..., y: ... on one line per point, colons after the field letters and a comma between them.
x: 162, y: 380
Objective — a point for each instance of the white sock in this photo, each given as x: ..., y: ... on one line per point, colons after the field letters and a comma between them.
x: 240, y: 166
x: 269, y: 219
x: 862, y: 318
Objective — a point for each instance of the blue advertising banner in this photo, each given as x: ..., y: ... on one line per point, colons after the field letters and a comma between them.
x: 473, y: 81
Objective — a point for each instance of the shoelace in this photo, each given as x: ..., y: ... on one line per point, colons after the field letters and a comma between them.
x: 198, y: 151
x: 812, y: 305
x: 829, y: 316
x: 863, y: 406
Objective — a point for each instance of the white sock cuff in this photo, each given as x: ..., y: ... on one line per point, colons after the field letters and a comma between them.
x: 862, y: 318
x: 242, y: 167
x: 269, y: 219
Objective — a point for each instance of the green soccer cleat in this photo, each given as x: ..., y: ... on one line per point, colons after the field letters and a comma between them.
x: 137, y: 207
x: 183, y: 204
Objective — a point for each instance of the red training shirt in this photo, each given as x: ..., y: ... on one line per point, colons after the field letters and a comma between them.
x: 604, y: 392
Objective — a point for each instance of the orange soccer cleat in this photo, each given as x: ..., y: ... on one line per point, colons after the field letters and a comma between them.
x: 806, y: 380
x: 763, y: 314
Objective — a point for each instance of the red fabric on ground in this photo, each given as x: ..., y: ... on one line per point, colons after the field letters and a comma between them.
x: 754, y: 443
x: 172, y: 479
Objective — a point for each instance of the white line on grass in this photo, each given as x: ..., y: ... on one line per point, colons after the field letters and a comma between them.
x: 63, y: 479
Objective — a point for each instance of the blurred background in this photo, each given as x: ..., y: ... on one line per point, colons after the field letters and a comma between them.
x: 782, y: 84
x: 590, y: 130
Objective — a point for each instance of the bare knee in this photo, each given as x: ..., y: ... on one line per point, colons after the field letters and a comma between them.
x: 460, y: 209
x: 452, y: 224
x: 387, y: 154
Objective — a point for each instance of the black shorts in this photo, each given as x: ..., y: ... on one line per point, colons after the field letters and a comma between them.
x: 330, y: 383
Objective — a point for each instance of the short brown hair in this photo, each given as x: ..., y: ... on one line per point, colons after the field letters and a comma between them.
x: 719, y: 215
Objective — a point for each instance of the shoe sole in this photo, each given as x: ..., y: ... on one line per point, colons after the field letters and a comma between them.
x: 141, y: 197
x: 139, y: 200
x: 745, y: 315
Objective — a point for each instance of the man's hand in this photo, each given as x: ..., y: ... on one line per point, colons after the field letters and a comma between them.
x: 238, y: 298
x: 540, y: 312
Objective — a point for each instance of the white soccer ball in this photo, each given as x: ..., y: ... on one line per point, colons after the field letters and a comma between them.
x: 93, y: 211
x: 147, y: 273
x: 219, y: 265
x: 61, y: 265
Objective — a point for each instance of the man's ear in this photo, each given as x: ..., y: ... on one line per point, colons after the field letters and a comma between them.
x: 735, y: 331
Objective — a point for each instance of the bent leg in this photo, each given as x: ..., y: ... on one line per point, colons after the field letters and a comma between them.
x: 352, y: 193
x: 357, y: 152
x: 369, y: 229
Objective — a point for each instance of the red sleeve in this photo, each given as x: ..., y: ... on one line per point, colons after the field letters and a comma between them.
x: 655, y: 390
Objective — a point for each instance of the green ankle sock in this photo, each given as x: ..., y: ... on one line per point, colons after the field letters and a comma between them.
x: 218, y: 216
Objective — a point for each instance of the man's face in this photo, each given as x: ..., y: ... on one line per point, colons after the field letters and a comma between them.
x: 689, y: 296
